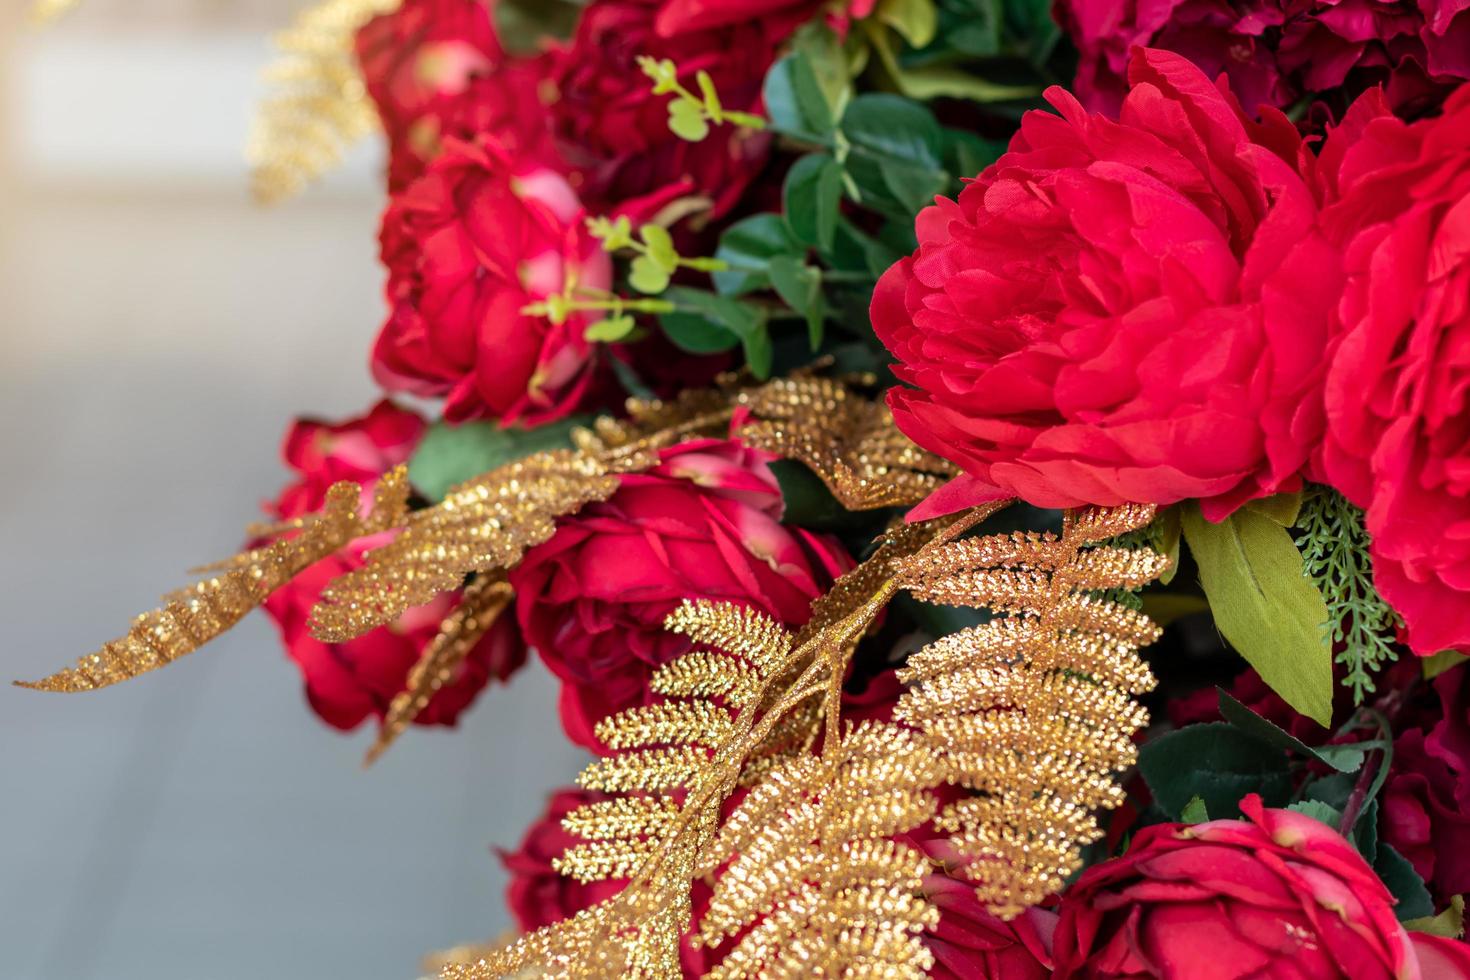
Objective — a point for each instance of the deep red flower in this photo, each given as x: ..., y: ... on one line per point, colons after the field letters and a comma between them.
x: 1277, y: 895
x: 1276, y: 51
x: 348, y: 682
x: 613, y: 132
x: 1116, y: 311
x: 1398, y: 434
x: 971, y: 944
x: 677, y: 17
x: 435, y: 68
x: 702, y: 524
x: 482, y: 234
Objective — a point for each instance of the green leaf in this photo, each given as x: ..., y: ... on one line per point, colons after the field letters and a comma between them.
x: 1441, y: 662
x: 686, y: 120
x: 1318, y: 811
x: 1449, y: 924
x: 1251, y: 572
x: 916, y: 20
x: 742, y: 320
x: 933, y: 81
x: 610, y: 330
x: 895, y: 144
x: 1195, y: 811
x: 697, y: 334
x: 647, y: 275
x: 806, y: 499
x: 795, y: 102
x: 1282, y: 508
x: 660, y: 246
x: 812, y: 197
x: 748, y: 246
x: 1343, y: 758
x: 1217, y: 763
x: 1404, y: 883
x: 800, y: 287
x: 451, y: 454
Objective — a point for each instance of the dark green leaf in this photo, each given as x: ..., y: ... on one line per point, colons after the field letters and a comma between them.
x: 1404, y: 883
x: 895, y: 144
x: 811, y: 199
x: 1269, y: 611
x: 696, y: 333
x: 741, y: 319
x: 795, y: 102
x: 808, y: 502
x: 451, y: 454
x: 1318, y: 811
x: 1343, y: 758
x: 800, y: 287
x: 1216, y: 762
x: 748, y: 246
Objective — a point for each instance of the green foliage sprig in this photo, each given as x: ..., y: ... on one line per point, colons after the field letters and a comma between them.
x: 690, y: 115
x: 1334, y: 547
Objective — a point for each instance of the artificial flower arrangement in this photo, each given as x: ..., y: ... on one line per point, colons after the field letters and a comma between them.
x: 985, y: 524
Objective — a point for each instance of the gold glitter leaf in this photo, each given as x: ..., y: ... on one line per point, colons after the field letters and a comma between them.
x: 483, y: 602
x: 846, y: 439
x: 482, y: 525
x: 1034, y: 709
x: 320, y: 106
x: 191, y: 617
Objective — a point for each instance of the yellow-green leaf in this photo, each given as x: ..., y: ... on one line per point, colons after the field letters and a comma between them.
x: 916, y: 20
x: 647, y: 275
x: 686, y: 120
x: 1450, y: 923
x: 1270, y: 612
x: 1282, y: 508
x: 1441, y: 662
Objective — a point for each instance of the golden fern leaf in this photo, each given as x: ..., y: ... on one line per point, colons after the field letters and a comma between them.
x: 817, y: 879
x: 1035, y: 708
x: 320, y: 106
x: 483, y: 602
x: 482, y: 525
x: 191, y: 617
x: 654, y: 423
x: 846, y: 439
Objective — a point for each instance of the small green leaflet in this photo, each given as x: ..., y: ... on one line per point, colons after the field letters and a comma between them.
x: 811, y: 198
x: 1251, y: 572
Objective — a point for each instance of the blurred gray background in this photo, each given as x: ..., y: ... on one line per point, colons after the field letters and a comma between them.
x: 157, y: 332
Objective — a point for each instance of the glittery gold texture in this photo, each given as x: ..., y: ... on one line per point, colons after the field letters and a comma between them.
x: 1033, y: 709
x: 192, y: 616
x: 483, y: 602
x: 319, y: 106
x: 848, y: 440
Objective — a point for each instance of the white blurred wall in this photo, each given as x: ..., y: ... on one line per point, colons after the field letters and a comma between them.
x: 157, y: 332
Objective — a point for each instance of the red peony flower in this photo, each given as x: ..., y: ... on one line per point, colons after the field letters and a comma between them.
x: 1423, y: 819
x: 434, y: 68
x: 1279, y: 895
x: 1398, y: 434
x: 1118, y: 311
x: 702, y: 524
x: 1276, y: 51
x: 347, y: 682
x: 468, y: 246
x: 614, y: 133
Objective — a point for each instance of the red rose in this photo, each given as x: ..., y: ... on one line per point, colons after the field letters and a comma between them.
x: 1398, y: 434
x: 1275, y: 51
x: 539, y: 894
x: 359, y: 449
x: 971, y: 944
x: 1279, y: 895
x: 468, y: 246
x: 614, y: 133
x: 702, y: 524
x: 1118, y: 311
x: 426, y: 66
x: 347, y: 682
x: 681, y: 16
x: 1423, y: 819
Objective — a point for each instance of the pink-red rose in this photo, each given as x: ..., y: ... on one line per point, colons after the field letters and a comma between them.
x: 702, y: 524
x: 469, y: 246
x: 348, y: 682
x: 1131, y: 310
x: 613, y: 132
x: 1276, y: 51
x: 682, y: 16
x: 434, y: 68
x: 1398, y: 383
x: 1279, y: 895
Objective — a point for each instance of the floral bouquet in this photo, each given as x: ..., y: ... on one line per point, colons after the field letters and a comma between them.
x: 992, y: 482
